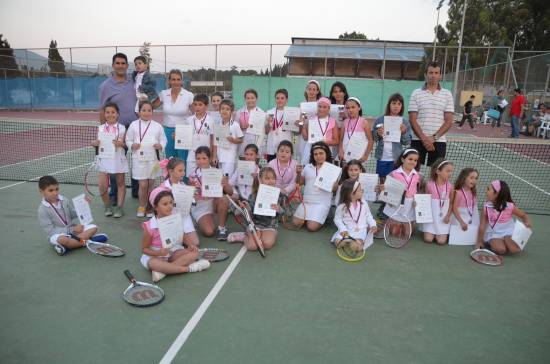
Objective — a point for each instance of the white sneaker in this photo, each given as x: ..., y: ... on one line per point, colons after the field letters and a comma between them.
x: 59, y: 249
x: 199, y: 265
x: 157, y: 276
x: 149, y: 214
x: 236, y: 237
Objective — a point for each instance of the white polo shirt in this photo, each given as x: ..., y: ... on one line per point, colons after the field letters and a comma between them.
x: 431, y: 108
x: 175, y: 112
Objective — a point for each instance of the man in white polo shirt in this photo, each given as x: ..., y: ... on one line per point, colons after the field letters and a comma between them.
x: 431, y: 111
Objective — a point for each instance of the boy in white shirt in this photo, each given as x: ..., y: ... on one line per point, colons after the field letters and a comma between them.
x: 203, y: 131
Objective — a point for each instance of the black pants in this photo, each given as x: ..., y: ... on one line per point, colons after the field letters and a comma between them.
x: 114, y: 189
x: 467, y: 117
x: 439, y: 152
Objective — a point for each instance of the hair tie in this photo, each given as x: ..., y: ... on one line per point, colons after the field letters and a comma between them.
x: 163, y: 164
x: 407, y: 151
x: 496, y: 185
x: 442, y: 163
x: 353, y: 98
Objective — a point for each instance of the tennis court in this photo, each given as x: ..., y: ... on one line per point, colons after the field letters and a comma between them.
x: 419, y: 304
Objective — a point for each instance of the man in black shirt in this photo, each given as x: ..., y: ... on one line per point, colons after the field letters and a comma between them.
x: 467, y: 114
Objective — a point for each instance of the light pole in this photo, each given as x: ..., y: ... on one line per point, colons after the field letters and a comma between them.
x: 436, y: 27
x: 455, y: 85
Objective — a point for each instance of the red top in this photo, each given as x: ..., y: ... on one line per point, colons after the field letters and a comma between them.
x: 517, y: 102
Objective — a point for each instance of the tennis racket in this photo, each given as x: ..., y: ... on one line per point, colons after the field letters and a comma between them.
x: 142, y: 294
x: 103, y: 249
x: 346, y: 253
x: 486, y: 257
x: 292, y: 204
x: 398, y: 228
x: 250, y: 227
x: 213, y: 254
x: 237, y: 215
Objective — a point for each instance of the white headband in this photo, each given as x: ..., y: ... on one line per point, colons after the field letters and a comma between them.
x: 442, y: 163
x: 410, y: 150
x: 353, y: 98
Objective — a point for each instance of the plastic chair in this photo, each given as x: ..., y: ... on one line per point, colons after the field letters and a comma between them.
x: 543, y: 129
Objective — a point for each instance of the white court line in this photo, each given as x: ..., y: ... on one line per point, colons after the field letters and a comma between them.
x: 44, y: 157
x: 51, y: 174
x: 504, y: 170
x: 192, y: 323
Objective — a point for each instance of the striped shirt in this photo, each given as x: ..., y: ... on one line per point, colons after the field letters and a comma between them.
x: 431, y: 108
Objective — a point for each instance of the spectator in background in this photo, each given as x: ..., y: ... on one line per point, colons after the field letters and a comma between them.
x: 535, y: 121
x: 467, y: 113
x: 176, y: 108
x: 119, y: 88
x: 215, y: 100
x: 516, y: 111
x: 499, y: 103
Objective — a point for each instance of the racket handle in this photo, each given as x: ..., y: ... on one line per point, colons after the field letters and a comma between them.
x: 158, y: 154
x: 129, y: 276
x: 96, y: 150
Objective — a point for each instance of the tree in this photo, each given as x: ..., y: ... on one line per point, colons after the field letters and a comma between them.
x: 496, y: 23
x: 352, y: 35
x: 145, y: 51
x: 8, y: 64
x: 55, y: 61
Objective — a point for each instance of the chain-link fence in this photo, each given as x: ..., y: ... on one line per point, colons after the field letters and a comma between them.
x: 72, y: 82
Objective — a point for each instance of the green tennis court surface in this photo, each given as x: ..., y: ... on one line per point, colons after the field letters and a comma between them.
x: 419, y: 304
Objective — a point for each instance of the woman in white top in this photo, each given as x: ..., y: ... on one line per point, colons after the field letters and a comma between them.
x: 176, y: 108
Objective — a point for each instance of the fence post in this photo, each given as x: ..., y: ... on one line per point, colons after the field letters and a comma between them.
x: 165, y: 70
x: 325, y: 74
x: 526, y: 74
x: 215, y: 68
x: 495, y: 78
x: 6, y: 86
x: 445, y: 64
x: 29, y: 77
x: 545, y: 84
x: 384, y: 63
x: 270, y: 66
x: 485, y: 69
x: 72, y: 75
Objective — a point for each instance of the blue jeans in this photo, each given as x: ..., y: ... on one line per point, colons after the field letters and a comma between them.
x: 515, y: 126
x: 170, y: 151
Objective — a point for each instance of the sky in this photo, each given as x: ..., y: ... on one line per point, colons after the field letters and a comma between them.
x: 33, y: 23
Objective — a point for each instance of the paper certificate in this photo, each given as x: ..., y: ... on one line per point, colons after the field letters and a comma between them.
x: 291, y: 114
x: 244, y: 172
x: 184, y: 137
x: 423, y: 208
x: 82, y: 208
x: 521, y: 234
x: 368, y: 182
x: 308, y: 108
x: 183, y: 198
x: 457, y: 236
x: 315, y: 134
x: 256, y: 123
x: 106, y: 145
x: 267, y: 196
x: 393, y: 191
x: 368, y: 241
x: 392, y: 128
x: 328, y: 174
x: 220, y: 136
x: 356, y: 147
x: 336, y: 112
x: 212, y: 182
x: 171, y: 230
x: 146, y: 152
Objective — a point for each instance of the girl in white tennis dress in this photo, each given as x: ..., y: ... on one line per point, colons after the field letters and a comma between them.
x: 112, y: 164
x: 317, y: 201
x: 497, y: 223
x: 146, y: 138
x: 442, y: 198
x: 465, y: 212
x: 353, y: 217
x: 174, y: 171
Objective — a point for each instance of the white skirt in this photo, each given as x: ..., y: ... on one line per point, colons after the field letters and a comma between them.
x: 438, y: 227
x: 143, y: 170
x: 188, y: 226
x: 314, y: 212
x: 463, y: 212
x: 500, y: 231
x: 408, y: 210
x: 203, y: 207
x: 119, y: 164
